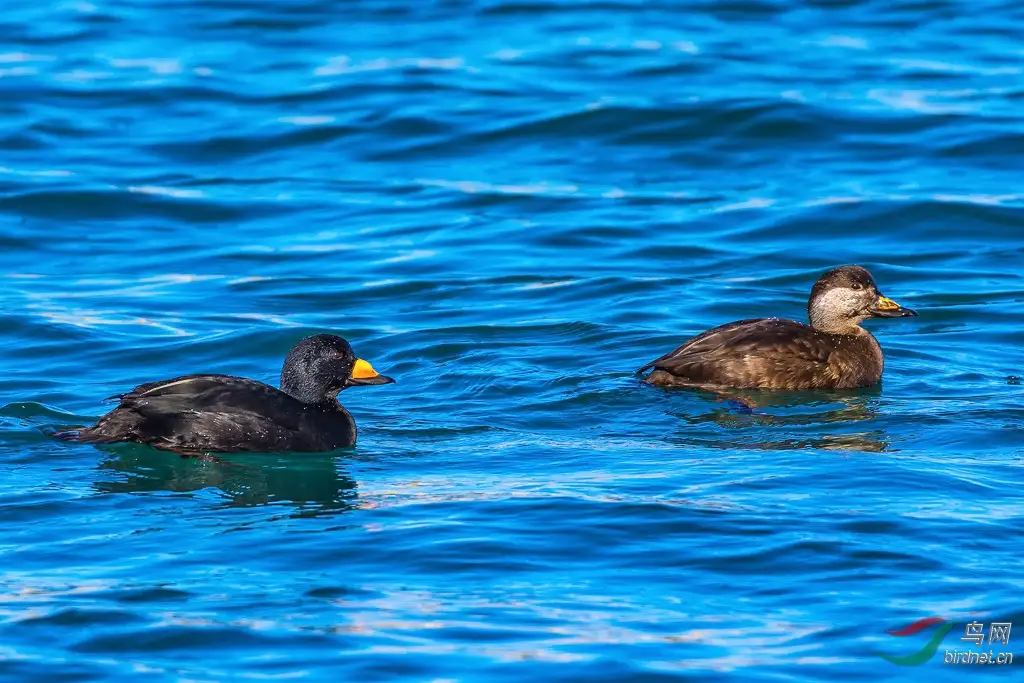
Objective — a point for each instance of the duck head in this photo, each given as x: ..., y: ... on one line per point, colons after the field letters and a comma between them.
x: 846, y: 296
x: 321, y: 366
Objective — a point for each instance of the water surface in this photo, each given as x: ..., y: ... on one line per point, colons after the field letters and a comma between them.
x: 509, y: 206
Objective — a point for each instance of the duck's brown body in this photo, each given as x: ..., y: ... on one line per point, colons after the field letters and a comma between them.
x: 771, y: 353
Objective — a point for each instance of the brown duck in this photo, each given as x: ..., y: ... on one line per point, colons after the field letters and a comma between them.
x: 833, y: 352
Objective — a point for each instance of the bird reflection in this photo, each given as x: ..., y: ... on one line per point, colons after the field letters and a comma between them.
x: 787, y: 414
x: 312, y: 483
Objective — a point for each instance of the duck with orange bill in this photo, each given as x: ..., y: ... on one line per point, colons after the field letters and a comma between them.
x: 195, y: 414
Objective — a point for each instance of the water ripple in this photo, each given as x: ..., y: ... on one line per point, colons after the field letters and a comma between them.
x: 509, y: 206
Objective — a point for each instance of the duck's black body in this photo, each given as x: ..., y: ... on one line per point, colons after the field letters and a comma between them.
x: 833, y: 352
x: 220, y: 413
x: 224, y: 414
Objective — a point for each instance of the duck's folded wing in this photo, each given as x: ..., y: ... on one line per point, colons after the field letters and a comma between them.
x: 210, y: 393
x: 213, y: 412
x: 707, y: 341
x: 760, y: 352
x: 189, y: 385
x: 232, y: 431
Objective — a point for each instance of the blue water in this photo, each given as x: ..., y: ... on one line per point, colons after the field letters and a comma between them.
x: 508, y: 206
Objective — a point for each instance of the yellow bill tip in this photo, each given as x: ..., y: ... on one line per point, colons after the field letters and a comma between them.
x: 887, y: 304
x: 363, y: 370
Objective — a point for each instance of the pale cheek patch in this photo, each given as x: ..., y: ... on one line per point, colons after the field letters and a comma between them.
x: 839, y: 300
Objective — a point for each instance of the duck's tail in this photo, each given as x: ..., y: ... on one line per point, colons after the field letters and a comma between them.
x: 640, y: 371
x: 86, y: 435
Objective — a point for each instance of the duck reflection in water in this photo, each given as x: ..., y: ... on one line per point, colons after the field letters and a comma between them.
x: 312, y: 483
x: 773, y: 420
